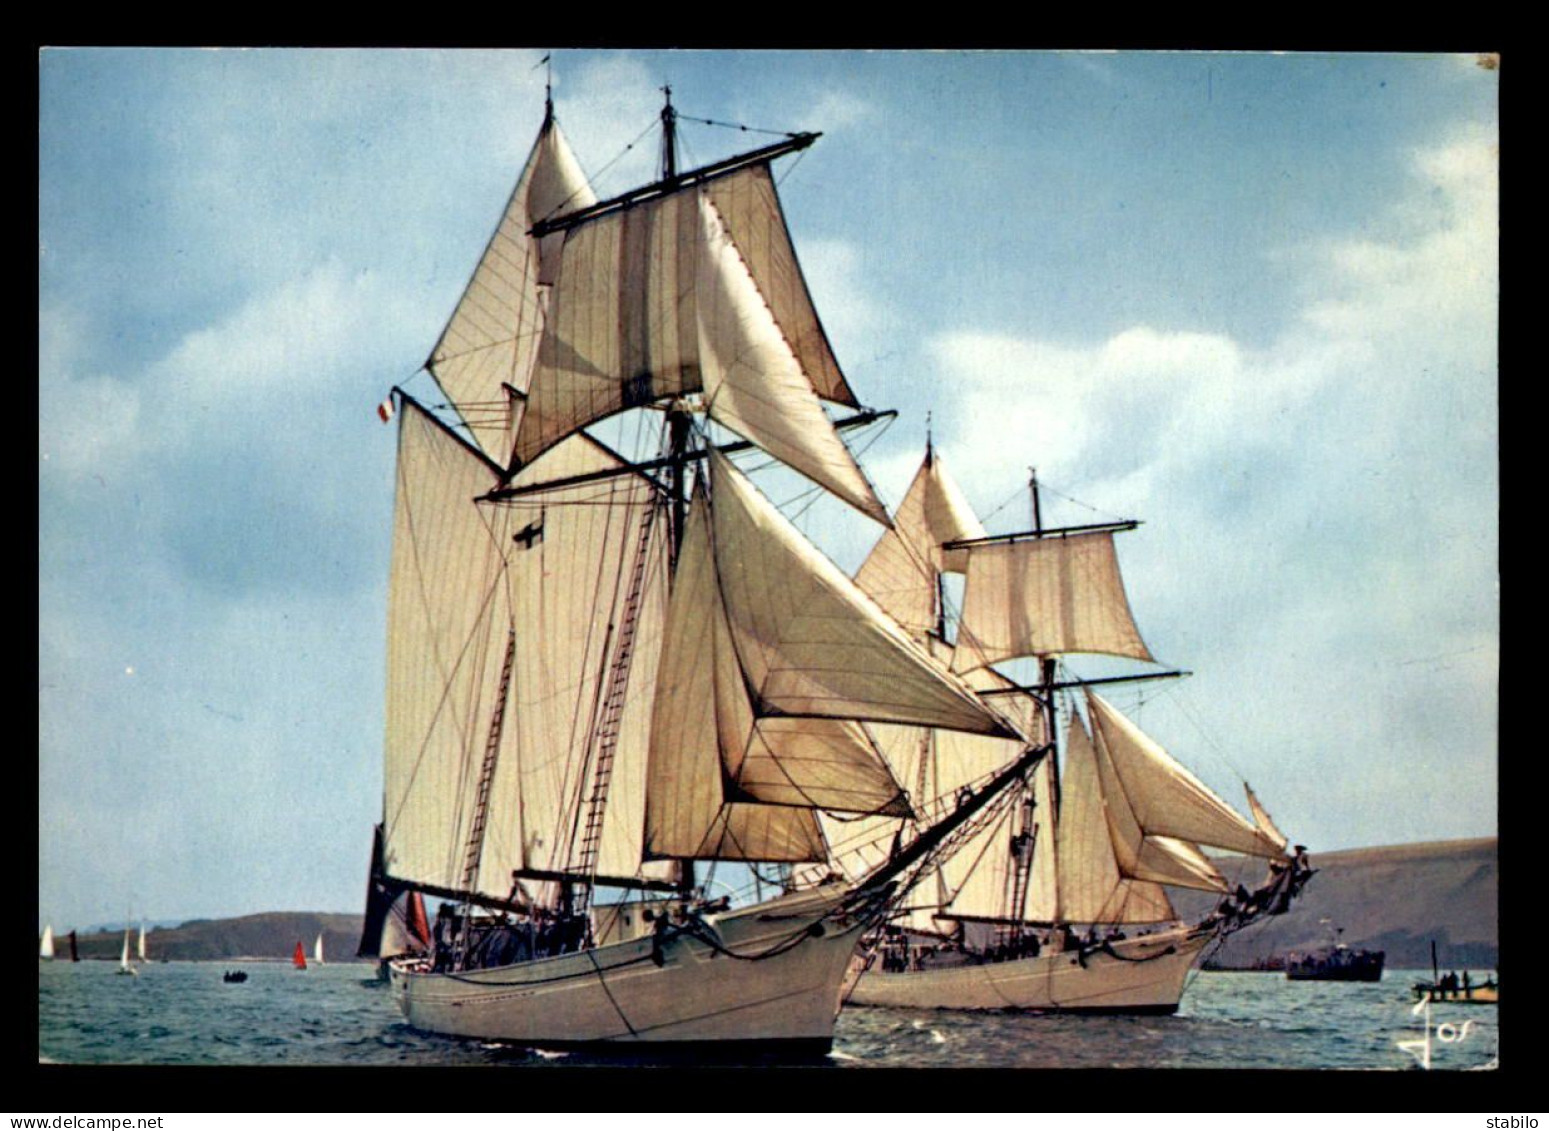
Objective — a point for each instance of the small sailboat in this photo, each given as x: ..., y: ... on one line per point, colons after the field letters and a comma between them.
x: 1457, y: 989
x: 124, y: 965
x: 140, y: 944
x: 46, y: 947
x: 299, y: 959
x: 317, y: 949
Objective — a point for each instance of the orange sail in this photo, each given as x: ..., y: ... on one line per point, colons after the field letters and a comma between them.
x: 299, y: 959
x: 418, y: 925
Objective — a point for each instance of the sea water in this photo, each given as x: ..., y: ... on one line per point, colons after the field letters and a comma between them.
x: 181, y: 1013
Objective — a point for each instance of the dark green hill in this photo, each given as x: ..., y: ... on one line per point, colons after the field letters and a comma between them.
x: 1398, y: 899
x: 273, y: 934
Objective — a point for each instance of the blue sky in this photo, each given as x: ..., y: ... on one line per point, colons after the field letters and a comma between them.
x: 1248, y: 299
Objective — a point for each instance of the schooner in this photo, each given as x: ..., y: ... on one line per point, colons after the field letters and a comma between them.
x: 1060, y: 901
x: 603, y: 671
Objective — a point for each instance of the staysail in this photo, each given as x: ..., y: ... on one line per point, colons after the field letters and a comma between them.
x: 1092, y: 887
x: 902, y: 571
x: 483, y: 360
x: 1166, y: 799
x: 1262, y: 819
x: 771, y: 656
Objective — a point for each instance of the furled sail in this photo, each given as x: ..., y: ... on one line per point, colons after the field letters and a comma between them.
x: 902, y: 569
x: 771, y: 655
x: 1045, y: 597
x: 491, y: 340
x: 673, y: 295
x: 1167, y: 799
x: 1092, y: 888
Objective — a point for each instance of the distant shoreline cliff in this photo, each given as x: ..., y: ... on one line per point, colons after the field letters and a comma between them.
x: 249, y: 938
x: 1396, y: 898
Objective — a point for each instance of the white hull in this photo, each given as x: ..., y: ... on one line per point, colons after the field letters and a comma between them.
x: 617, y: 995
x: 1146, y: 979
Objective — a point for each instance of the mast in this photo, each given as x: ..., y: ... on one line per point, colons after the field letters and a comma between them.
x: 669, y: 139
x: 941, y: 587
x: 1051, y: 716
x: 679, y: 427
x: 1024, y: 844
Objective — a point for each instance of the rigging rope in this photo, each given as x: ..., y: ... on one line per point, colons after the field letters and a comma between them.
x: 593, y: 177
x: 736, y: 126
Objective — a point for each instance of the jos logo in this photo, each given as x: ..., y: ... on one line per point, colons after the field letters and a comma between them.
x: 1447, y: 1033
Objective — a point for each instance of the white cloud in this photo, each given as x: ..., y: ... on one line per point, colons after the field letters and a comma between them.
x: 1327, y: 502
x: 836, y: 275
x: 611, y: 104
x: 85, y: 421
x: 840, y: 109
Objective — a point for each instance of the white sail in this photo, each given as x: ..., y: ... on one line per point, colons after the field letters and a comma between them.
x: 1167, y: 799
x: 123, y: 958
x: 979, y: 878
x: 46, y: 947
x: 1045, y: 597
x: 484, y: 357
x: 934, y: 765
x: 1092, y: 889
x: 751, y: 209
x: 546, y: 570
x: 317, y: 949
x: 809, y: 641
x: 662, y: 299
x: 901, y: 572
x: 568, y: 582
x: 754, y: 383
x: 140, y: 944
x: 1262, y: 819
x: 446, y: 640
x: 771, y: 654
